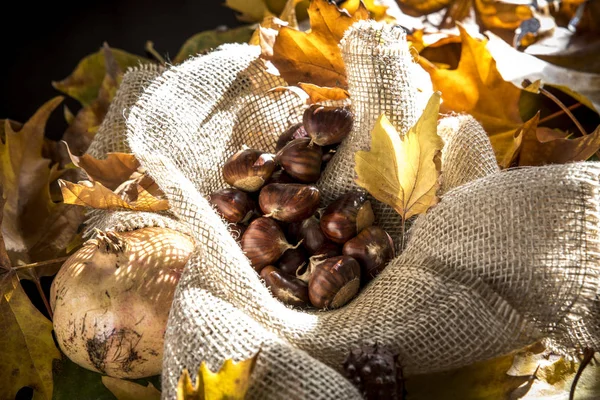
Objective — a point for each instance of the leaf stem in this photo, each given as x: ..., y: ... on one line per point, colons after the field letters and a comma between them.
x: 150, y: 49
x: 42, y: 263
x: 588, y: 355
x: 43, y: 296
x: 560, y: 112
x: 402, y: 231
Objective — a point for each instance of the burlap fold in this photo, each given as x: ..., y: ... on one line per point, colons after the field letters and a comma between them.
x: 504, y: 258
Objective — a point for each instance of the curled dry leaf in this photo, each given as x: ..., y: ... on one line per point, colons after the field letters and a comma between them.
x: 376, y: 10
x: 127, y: 390
x: 314, y: 56
x: 115, y: 169
x: 230, y: 382
x: 403, y: 172
x: 95, y: 195
x: 208, y: 40
x: 318, y: 94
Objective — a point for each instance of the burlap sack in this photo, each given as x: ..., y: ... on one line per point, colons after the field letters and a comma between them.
x: 502, y: 260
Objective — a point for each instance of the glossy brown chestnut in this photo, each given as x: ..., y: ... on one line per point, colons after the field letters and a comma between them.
x: 281, y: 176
x: 301, y: 160
x: 327, y: 250
x: 372, y: 248
x: 327, y: 125
x: 289, y: 202
x: 309, y: 231
x: 264, y: 242
x: 346, y: 216
x: 334, y: 282
x: 233, y: 204
x: 285, y: 287
x: 295, y: 131
x: 248, y: 169
x: 292, y: 260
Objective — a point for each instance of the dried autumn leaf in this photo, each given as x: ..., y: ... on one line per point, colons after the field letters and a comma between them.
x: 80, y: 133
x: 35, y: 228
x: 95, y: 195
x: 314, y: 57
x: 230, y: 382
x: 376, y: 10
x: 319, y: 94
x: 112, y: 171
x: 403, y: 171
x: 543, y: 146
x: 208, y: 40
x: 26, y: 345
x: 127, y: 390
x: 477, y: 88
x: 249, y: 10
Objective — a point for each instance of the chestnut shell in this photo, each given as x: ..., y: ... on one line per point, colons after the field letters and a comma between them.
x: 327, y: 125
x: 263, y: 242
x: 286, y: 288
x: 289, y: 202
x: 248, y: 169
x: 334, y: 282
x: 295, y: 131
x: 346, y: 216
x: 233, y: 204
x: 301, y: 160
x: 373, y: 248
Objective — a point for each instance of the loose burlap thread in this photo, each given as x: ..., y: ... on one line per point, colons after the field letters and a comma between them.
x: 503, y: 259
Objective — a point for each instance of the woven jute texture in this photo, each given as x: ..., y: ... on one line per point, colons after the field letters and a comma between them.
x: 504, y: 259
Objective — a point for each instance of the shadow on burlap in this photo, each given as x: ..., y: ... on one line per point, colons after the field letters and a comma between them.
x: 504, y: 259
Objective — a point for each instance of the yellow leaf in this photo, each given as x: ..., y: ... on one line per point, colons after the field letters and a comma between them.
x: 126, y: 390
x: 377, y: 11
x: 115, y: 169
x: 99, y: 197
x: 477, y: 88
x: 319, y: 94
x: 502, y: 15
x: 315, y: 57
x: 230, y: 382
x: 249, y: 10
x: 403, y: 171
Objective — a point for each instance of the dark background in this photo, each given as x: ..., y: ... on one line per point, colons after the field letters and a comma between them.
x: 42, y: 42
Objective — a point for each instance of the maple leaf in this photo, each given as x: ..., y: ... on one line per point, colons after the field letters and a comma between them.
x: 26, y: 345
x: 230, y: 382
x: 403, y: 171
x: 80, y: 133
x: 34, y: 227
x: 127, y: 390
x: 376, y: 10
x: 318, y: 94
x: 97, y: 196
x: 314, y: 57
x: 87, y: 78
x: 477, y: 88
x: 111, y: 172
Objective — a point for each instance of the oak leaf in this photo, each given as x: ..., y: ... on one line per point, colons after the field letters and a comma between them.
x: 96, y: 196
x: 318, y: 94
x: 403, y: 171
x: 230, y: 382
x: 477, y: 88
x: 26, y: 345
x: 112, y: 171
x: 127, y: 390
x: 35, y: 228
x: 314, y: 57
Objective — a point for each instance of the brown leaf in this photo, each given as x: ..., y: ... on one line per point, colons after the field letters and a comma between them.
x: 476, y: 87
x: 34, y: 227
x: 319, y: 94
x: 97, y: 196
x: 314, y: 57
x: 80, y: 133
x: 127, y: 390
x: 543, y: 146
x: 111, y: 172
x: 403, y: 172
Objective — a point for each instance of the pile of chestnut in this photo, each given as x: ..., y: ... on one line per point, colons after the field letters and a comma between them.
x: 336, y: 249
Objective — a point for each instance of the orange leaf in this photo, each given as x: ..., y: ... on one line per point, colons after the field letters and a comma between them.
x: 319, y: 94
x: 97, y: 196
x: 315, y: 57
x: 476, y: 87
x: 112, y: 171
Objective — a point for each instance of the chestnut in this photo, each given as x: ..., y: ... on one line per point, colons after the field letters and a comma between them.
x: 327, y: 250
x: 292, y: 260
x: 285, y: 287
x: 281, y: 176
x: 309, y: 231
x: 346, y: 216
x: 264, y: 242
x: 295, y: 131
x: 327, y: 125
x: 233, y: 204
x: 289, y: 202
x: 372, y: 248
x: 334, y: 282
x: 248, y: 169
x: 301, y: 159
